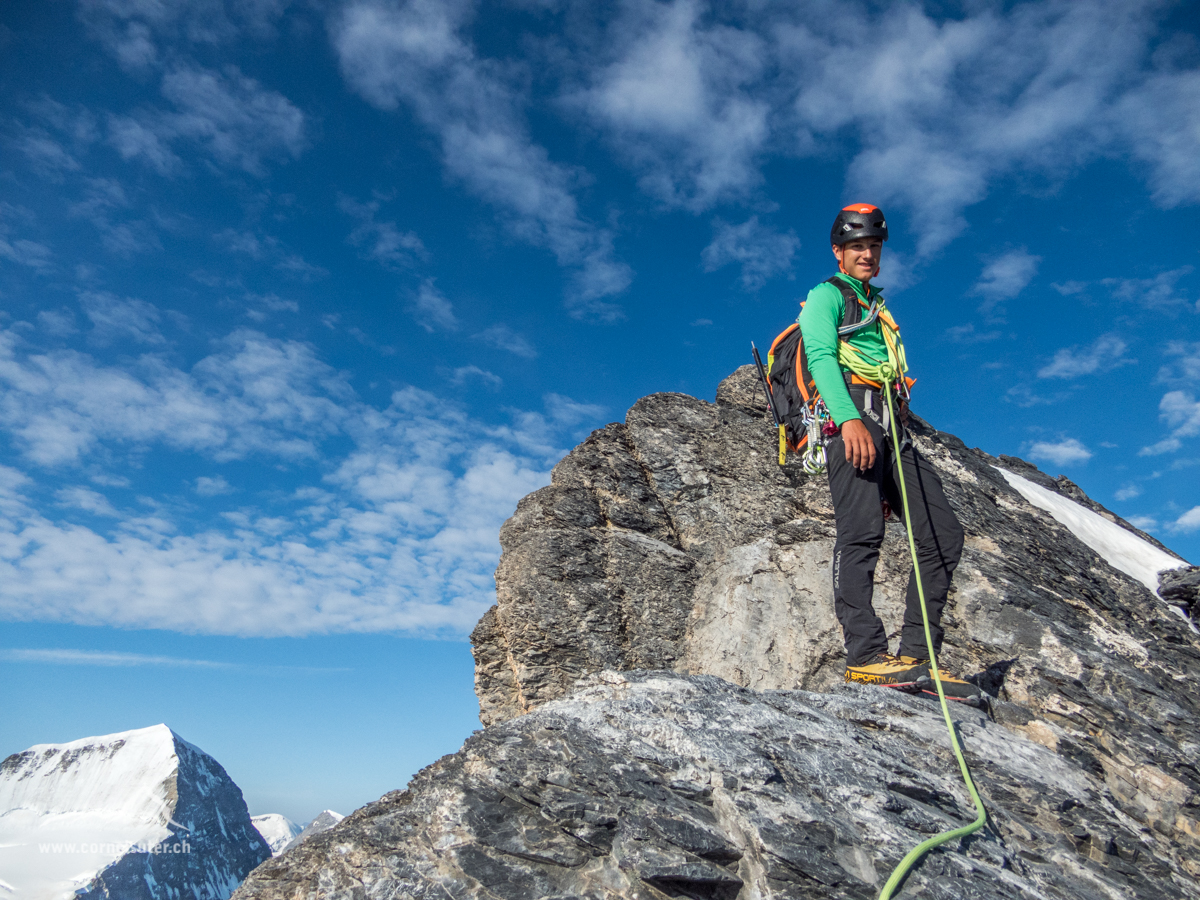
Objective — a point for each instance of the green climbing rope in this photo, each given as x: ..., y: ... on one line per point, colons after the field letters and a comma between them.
x: 938, y: 839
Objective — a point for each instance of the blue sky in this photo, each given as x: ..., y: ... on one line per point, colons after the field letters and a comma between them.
x: 298, y: 300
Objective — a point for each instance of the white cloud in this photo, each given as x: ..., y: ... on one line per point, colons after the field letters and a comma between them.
x: 966, y: 334
x: 761, y: 251
x: 474, y: 376
x: 1005, y: 277
x: 414, y: 55
x: 1189, y: 521
x: 238, y: 121
x: 115, y: 317
x: 1064, y: 453
x: 1128, y: 492
x: 1162, y: 123
x: 147, y: 140
x: 383, y: 242
x: 1187, y: 367
x: 1106, y: 352
x: 102, y: 198
x: 26, y: 253
x: 141, y: 33
x: 1069, y: 288
x: 396, y: 533
x: 958, y: 102
x: 431, y: 309
x: 694, y: 98
x: 61, y: 657
x: 20, y: 250
x: 87, y: 500
x: 1182, y: 414
x: 1146, y: 523
x: 253, y: 394
x: 1158, y: 292
x: 676, y: 104
x: 504, y: 338
x: 58, y: 322
x: 212, y: 486
x: 270, y: 249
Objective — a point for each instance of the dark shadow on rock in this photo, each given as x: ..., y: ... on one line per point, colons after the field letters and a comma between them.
x: 991, y: 680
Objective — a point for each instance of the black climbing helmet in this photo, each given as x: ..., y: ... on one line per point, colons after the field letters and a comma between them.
x: 858, y: 221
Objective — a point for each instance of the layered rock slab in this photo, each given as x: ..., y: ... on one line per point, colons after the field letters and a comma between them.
x: 654, y: 785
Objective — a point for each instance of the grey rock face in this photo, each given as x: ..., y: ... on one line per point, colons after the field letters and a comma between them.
x: 326, y: 820
x: 1181, y: 588
x: 674, y: 542
x: 654, y: 785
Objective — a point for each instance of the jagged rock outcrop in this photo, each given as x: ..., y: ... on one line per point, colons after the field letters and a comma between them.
x: 1181, y: 588
x: 674, y: 542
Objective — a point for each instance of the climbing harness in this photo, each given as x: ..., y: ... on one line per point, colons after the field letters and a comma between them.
x: 906, y: 864
x: 800, y: 414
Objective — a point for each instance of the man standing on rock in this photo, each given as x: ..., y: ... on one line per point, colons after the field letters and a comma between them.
x: 864, y: 468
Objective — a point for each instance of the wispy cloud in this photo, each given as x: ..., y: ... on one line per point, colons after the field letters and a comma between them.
x: 140, y: 35
x: 1105, y: 353
x: 1181, y: 413
x: 1004, y: 278
x: 431, y: 310
x: 677, y: 102
x: 109, y: 659
x: 101, y: 658
x: 20, y: 250
x: 116, y: 317
x: 1062, y: 453
x: 395, y: 531
x: 1159, y: 292
x: 240, y: 123
x: 383, y: 242
x: 761, y: 251
x: 1189, y: 521
x: 966, y: 334
x: 212, y: 486
x: 414, y: 54
x: 268, y: 248
x: 503, y: 337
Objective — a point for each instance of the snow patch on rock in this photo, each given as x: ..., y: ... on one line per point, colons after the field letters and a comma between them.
x: 1121, y: 549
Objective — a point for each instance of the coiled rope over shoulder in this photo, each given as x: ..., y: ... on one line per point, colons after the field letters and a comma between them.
x: 937, y: 840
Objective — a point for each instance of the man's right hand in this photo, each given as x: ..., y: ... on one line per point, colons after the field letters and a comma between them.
x: 860, y: 449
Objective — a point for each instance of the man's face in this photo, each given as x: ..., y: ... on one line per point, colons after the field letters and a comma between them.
x: 859, y: 259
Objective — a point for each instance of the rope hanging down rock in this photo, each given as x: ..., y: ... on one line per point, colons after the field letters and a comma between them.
x: 906, y: 864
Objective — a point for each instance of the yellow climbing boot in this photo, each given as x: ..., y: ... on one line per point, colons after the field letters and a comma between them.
x: 953, y: 687
x: 886, y: 670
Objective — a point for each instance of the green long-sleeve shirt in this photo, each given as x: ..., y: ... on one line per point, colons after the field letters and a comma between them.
x: 819, y: 321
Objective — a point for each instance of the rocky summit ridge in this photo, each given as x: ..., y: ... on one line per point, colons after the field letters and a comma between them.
x: 661, y: 684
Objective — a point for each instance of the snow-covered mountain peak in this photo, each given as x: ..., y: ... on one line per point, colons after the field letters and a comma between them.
x: 128, y: 775
x: 88, y: 818
x: 278, y: 831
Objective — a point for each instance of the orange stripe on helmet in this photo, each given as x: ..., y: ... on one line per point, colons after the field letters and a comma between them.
x: 864, y: 208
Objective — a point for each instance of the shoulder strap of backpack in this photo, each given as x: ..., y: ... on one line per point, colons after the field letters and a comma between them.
x: 853, y: 314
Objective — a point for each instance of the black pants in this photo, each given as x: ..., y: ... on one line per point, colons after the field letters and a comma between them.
x: 856, y: 503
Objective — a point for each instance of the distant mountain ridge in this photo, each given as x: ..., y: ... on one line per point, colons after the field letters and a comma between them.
x: 138, y: 815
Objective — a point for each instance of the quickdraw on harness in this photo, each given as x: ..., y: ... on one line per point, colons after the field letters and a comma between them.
x: 800, y: 414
